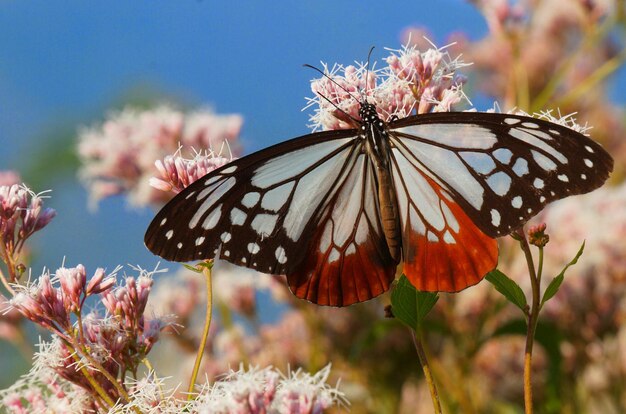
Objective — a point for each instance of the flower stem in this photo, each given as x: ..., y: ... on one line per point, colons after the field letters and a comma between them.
x: 92, y: 381
x: 533, y: 314
x: 434, y: 395
x: 206, y: 270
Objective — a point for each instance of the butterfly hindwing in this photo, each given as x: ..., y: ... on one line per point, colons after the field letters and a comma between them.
x: 348, y: 260
x: 442, y: 249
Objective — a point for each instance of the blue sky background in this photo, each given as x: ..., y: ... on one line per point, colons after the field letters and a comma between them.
x: 62, y: 67
x: 64, y: 64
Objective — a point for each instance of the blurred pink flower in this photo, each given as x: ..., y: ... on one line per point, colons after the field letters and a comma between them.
x: 119, y: 155
x: 9, y: 178
x: 238, y: 287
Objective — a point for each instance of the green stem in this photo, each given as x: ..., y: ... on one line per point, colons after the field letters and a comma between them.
x: 434, y: 395
x: 206, y: 270
x: 533, y: 315
x: 92, y: 381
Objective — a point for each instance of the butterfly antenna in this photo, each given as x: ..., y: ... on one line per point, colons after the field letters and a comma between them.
x: 340, y: 86
x: 330, y: 79
x: 367, y: 74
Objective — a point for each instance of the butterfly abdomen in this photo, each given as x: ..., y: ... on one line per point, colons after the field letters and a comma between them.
x: 389, y: 213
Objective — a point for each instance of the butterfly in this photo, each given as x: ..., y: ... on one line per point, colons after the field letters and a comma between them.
x: 338, y: 211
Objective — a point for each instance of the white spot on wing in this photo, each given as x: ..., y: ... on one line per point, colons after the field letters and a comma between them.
x: 274, y: 199
x: 520, y: 167
x: 253, y: 248
x: 350, y: 250
x: 179, y: 245
x: 500, y: 183
x: 334, y: 255
x: 588, y: 163
x: 432, y: 237
x: 225, y: 237
x: 503, y: 155
x: 448, y: 238
x: 237, y: 217
x: 169, y: 234
x: 538, y: 183
x: 450, y: 219
x: 163, y: 221
x: 563, y: 178
x: 264, y: 224
x: 544, y: 162
x: 511, y: 121
x: 199, y: 241
x: 528, y: 124
x: 495, y: 217
x: 517, y: 201
x: 589, y: 149
x: 281, y: 255
x: 251, y: 199
x: 229, y: 170
x: 211, y: 220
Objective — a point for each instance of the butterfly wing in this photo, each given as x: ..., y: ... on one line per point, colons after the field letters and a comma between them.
x: 289, y: 209
x: 485, y: 175
x: 348, y: 260
x: 442, y: 248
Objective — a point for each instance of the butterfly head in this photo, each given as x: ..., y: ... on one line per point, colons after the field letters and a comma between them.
x: 368, y: 113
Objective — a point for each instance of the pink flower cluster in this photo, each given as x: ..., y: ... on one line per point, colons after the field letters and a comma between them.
x: 118, y: 156
x: 51, y: 300
x: 258, y: 391
x: 43, y: 390
x: 106, y: 347
x: 21, y: 214
x: 413, y: 82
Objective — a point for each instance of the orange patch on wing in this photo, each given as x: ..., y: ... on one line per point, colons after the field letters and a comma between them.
x: 339, y: 278
x: 444, y: 266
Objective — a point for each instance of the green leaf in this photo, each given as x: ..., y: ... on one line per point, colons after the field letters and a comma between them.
x: 555, y: 284
x: 508, y: 288
x: 410, y: 305
x: 198, y: 267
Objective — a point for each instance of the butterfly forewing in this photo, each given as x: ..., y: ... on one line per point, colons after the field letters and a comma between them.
x: 501, y: 169
x: 253, y: 211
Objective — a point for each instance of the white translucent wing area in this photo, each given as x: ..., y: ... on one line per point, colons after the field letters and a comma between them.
x: 255, y: 211
x: 501, y: 169
x: 442, y: 249
x: 348, y: 260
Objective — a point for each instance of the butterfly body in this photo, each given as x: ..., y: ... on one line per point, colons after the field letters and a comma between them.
x: 337, y: 211
x: 378, y: 149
